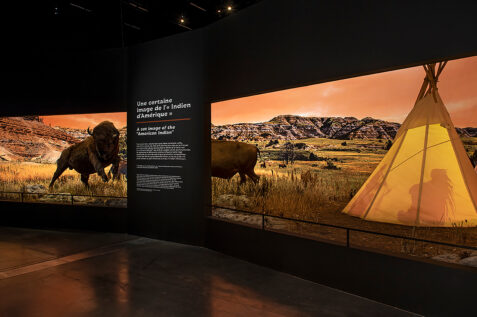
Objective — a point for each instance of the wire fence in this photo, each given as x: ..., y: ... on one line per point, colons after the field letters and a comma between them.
x: 70, y: 199
x: 348, y: 230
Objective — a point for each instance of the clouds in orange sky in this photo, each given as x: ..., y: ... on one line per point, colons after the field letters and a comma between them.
x: 388, y: 96
x: 83, y: 121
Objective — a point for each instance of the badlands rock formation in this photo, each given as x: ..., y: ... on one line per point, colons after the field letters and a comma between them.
x: 291, y: 127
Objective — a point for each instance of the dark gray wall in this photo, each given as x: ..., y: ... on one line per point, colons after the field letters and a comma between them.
x: 53, y: 82
x: 36, y: 81
x: 280, y: 44
x: 418, y: 286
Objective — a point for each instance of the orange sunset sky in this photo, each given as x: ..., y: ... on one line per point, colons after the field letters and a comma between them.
x: 83, y: 121
x: 387, y: 96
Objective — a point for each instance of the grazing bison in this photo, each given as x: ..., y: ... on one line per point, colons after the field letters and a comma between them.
x: 230, y: 158
x: 282, y: 165
x: 92, y: 155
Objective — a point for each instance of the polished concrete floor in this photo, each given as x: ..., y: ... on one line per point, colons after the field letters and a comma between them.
x: 50, y: 273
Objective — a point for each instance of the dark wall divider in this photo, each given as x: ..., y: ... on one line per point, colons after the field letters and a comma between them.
x: 172, y: 68
x: 425, y: 288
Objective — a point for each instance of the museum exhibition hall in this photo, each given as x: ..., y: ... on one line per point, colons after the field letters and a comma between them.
x: 238, y: 158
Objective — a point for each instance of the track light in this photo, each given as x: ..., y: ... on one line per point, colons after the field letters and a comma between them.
x: 139, y: 7
x: 198, y: 7
x: 74, y: 5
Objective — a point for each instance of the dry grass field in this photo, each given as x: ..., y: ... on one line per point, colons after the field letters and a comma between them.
x: 299, y: 192
x: 305, y: 189
x: 29, y: 177
x: 308, y: 190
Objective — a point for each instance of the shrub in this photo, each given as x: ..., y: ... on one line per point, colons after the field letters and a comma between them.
x: 330, y: 165
x: 313, y: 157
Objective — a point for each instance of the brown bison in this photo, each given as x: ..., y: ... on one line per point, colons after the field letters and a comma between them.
x: 230, y: 158
x: 92, y: 155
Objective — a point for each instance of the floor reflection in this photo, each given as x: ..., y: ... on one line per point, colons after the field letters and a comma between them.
x: 230, y: 299
x: 145, y: 277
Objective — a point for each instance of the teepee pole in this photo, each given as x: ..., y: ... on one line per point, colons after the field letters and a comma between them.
x: 422, y: 92
x: 441, y: 68
x: 434, y: 77
x: 430, y: 72
x: 421, y: 179
x: 388, y: 170
x: 429, y: 85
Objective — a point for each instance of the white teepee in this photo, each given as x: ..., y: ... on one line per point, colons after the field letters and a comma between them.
x: 426, y: 178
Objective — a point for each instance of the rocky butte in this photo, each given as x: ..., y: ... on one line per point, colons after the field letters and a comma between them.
x: 292, y: 127
x: 29, y: 139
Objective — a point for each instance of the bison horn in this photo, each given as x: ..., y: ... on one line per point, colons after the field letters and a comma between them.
x: 89, y: 132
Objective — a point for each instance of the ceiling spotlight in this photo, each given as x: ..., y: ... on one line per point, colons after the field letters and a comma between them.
x: 182, y: 23
x: 229, y: 8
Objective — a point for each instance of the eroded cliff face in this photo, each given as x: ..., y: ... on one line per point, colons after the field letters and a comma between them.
x: 297, y: 127
x: 29, y: 139
x: 290, y: 127
x: 467, y: 132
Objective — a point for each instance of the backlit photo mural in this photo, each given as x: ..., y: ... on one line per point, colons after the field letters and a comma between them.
x: 392, y: 153
x: 78, y: 159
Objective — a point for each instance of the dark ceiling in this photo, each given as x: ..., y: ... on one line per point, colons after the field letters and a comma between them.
x: 97, y: 24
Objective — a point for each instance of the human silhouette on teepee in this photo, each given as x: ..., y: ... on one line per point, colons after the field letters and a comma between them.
x: 443, y: 206
x: 426, y: 177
